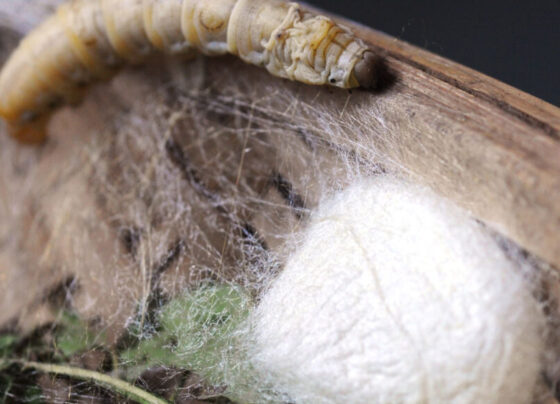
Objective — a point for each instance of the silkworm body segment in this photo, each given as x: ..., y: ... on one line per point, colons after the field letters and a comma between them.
x: 89, y: 40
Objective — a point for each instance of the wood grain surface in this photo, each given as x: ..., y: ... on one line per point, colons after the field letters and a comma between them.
x: 512, y: 182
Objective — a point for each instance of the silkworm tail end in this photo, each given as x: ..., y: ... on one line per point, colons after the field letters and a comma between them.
x: 366, y: 70
x: 29, y: 133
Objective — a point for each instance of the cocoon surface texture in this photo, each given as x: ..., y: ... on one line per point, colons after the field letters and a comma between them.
x: 394, y: 296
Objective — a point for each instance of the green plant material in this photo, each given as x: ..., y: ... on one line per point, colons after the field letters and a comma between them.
x: 7, y: 346
x: 198, y: 331
x: 7, y: 342
x: 73, y: 335
x: 204, y: 323
x: 150, y: 352
x: 126, y: 389
x: 33, y: 395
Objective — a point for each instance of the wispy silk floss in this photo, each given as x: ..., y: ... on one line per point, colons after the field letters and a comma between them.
x: 394, y: 296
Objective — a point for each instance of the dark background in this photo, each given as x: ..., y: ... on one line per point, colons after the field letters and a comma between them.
x: 517, y: 42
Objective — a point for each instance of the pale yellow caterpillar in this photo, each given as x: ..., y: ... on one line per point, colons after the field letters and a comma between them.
x: 88, y: 40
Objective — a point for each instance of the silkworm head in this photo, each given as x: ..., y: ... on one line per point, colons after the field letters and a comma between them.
x: 366, y: 70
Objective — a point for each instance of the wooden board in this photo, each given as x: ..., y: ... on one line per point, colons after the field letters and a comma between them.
x: 504, y: 164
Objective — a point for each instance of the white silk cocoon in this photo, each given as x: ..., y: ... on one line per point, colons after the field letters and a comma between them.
x: 394, y: 296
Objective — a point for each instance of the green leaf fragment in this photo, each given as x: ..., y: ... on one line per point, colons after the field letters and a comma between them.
x: 198, y: 332
x: 74, y: 335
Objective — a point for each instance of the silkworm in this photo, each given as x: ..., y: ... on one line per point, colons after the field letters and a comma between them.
x: 89, y: 40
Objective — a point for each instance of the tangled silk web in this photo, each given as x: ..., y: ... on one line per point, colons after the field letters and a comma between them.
x: 201, y: 236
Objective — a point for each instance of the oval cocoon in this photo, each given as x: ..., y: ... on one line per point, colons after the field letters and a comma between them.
x: 395, y: 296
